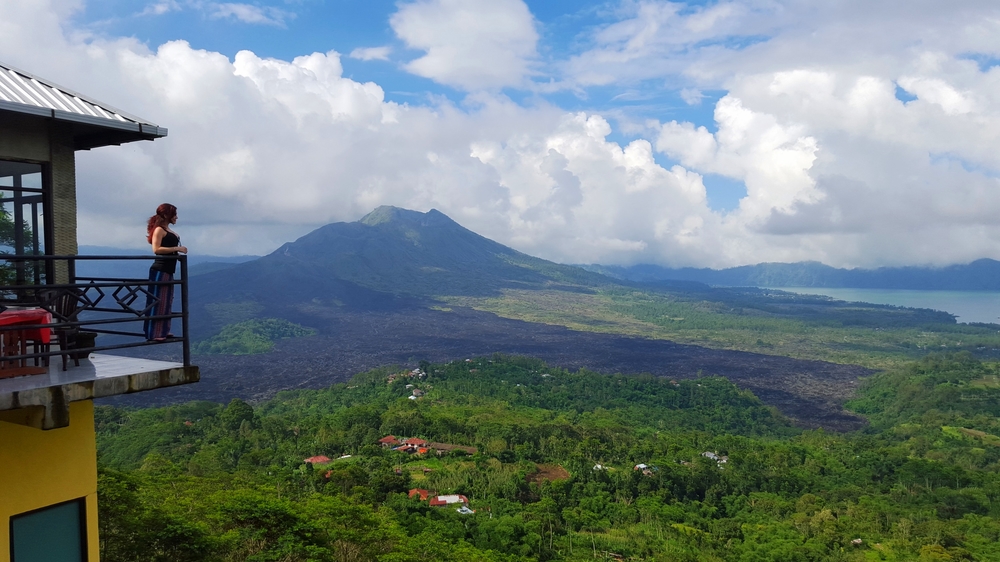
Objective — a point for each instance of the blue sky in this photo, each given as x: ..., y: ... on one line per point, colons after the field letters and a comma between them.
x: 304, y: 26
x: 709, y: 133
x: 307, y: 26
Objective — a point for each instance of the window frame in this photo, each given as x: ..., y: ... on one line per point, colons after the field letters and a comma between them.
x: 82, y: 507
x: 46, y: 246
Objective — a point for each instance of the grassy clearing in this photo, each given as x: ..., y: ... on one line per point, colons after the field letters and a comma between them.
x: 990, y: 381
x: 883, y: 343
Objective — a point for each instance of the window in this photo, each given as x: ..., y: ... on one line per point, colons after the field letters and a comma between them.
x: 51, y: 534
x: 23, y: 206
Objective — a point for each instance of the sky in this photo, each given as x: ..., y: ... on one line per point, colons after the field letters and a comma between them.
x: 706, y: 133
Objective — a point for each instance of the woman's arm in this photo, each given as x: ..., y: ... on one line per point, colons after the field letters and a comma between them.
x: 158, y: 235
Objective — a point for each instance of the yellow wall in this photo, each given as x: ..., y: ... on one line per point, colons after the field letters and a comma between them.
x: 41, y: 468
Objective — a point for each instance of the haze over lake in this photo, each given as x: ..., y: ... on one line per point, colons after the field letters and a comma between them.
x: 968, y: 306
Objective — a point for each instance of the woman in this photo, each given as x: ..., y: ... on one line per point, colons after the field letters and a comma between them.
x: 165, y: 242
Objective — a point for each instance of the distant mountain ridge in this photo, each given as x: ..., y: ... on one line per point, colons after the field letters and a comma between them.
x: 197, y: 264
x: 980, y: 275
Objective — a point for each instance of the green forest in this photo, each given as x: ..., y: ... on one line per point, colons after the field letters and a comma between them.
x: 251, y: 336
x: 568, y: 465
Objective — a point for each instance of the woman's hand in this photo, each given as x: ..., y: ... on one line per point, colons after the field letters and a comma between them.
x: 182, y: 249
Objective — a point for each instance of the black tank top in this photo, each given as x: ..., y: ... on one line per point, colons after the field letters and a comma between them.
x: 167, y: 265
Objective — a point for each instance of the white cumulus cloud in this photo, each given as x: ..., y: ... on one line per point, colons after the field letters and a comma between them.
x: 161, y: 7
x: 371, y: 53
x: 837, y: 167
x: 469, y: 44
x: 249, y: 13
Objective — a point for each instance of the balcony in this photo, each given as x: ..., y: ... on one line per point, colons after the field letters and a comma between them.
x: 102, y: 302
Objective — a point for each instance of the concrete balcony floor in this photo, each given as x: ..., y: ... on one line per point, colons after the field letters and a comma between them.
x: 43, y: 400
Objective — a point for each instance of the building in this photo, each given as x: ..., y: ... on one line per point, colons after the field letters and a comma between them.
x: 48, y: 452
x: 318, y: 459
x: 451, y: 499
x: 419, y: 493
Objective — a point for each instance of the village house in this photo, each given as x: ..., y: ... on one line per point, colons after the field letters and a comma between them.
x: 715, y: 457
x: 318, y: 459
x: 413, y: 445
x: 451, y: 499
x: 645, y: 468
x: 419, y: 493
x: 420, y: 446
x: 719, y: 459
x: 415, y: 373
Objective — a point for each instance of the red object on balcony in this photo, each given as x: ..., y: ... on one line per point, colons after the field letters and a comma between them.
x: 29, y: 316
x: 15, y: 342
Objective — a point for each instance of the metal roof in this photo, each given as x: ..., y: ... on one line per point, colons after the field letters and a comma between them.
x: 99, y: 124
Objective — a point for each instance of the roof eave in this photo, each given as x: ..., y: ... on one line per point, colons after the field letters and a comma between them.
x: 92, y: 132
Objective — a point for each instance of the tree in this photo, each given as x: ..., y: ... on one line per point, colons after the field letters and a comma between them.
x: 235, y: 414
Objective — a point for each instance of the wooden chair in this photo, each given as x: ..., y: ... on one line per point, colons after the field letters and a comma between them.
x: 64, y: 305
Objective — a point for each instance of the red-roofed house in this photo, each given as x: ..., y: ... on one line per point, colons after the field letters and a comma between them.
x: 388, y: 441
x: 318, y: 459
x: 415, y: 441
x: 438, y: 501
x: 419, y: 493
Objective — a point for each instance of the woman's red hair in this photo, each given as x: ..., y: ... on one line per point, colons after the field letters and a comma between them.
x: 164, y: 214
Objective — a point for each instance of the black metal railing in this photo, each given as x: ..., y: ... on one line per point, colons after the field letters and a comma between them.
x: 113, y: 305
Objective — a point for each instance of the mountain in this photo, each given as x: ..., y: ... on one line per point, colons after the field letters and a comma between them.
x: 980, y: 275
x: 391, y: 255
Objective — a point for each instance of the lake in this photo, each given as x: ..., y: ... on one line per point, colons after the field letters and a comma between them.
x: 969, y: 306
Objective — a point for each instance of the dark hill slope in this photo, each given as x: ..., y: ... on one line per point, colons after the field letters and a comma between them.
x: 411, y: 253
x: 387, y: 258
